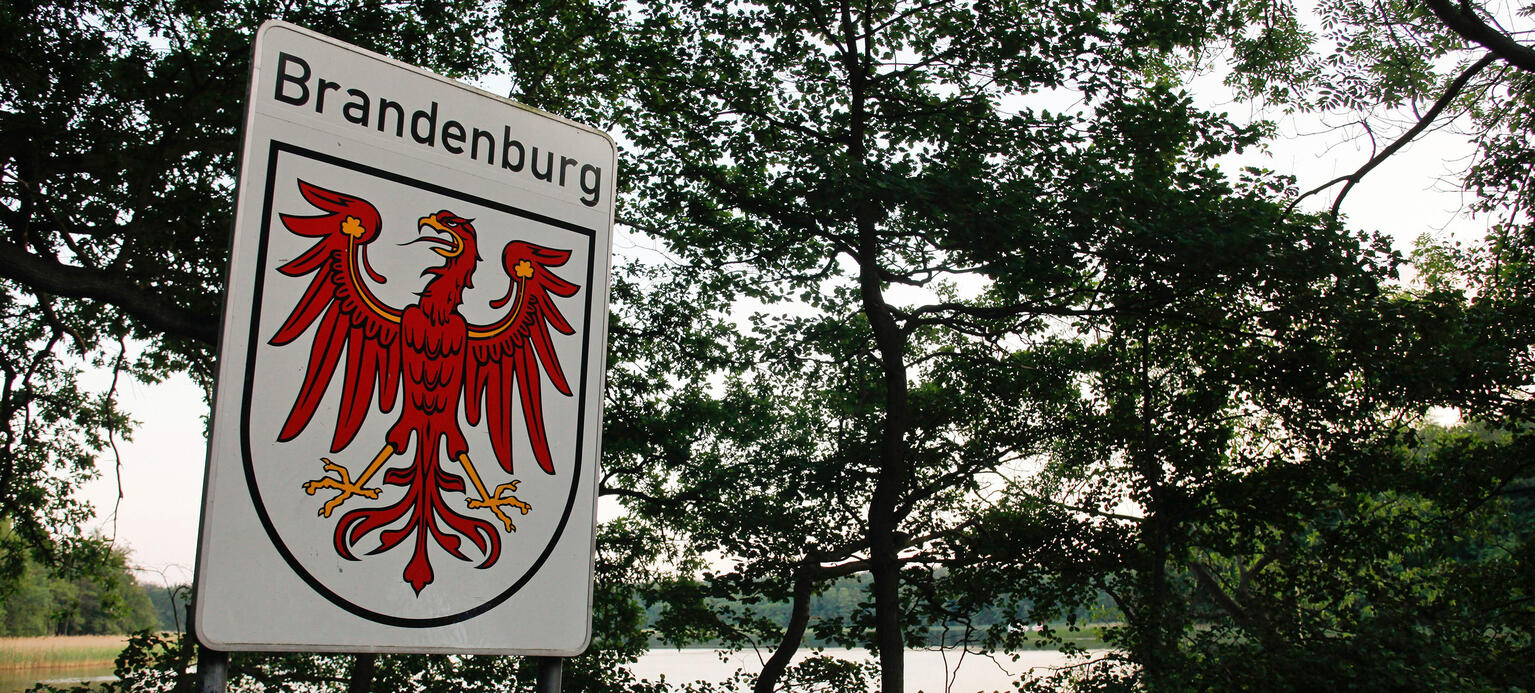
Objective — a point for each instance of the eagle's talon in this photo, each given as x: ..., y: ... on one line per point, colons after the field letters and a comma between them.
x: 495, y: 500
x: 511, y: 500
x: 341, y: 483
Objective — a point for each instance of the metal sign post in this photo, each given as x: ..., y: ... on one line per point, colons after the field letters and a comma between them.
x: 212, y: 670
x: 407, y: 423
x: 549, y: 671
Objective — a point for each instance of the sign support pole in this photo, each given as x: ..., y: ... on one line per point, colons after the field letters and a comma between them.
x: 212, y: 670
x: 548, y: 679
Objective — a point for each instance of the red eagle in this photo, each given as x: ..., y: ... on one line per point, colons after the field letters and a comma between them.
x: 444, y: 360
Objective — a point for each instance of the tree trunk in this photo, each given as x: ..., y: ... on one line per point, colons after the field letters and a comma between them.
x: 793, y: 634
x: 1161, y: 632
x: 890, y: 345
x: 886, y: 571
x: 890, y: 484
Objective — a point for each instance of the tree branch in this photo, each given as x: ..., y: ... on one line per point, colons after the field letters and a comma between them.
x: 1217, y: 593
x: 153, y: 311
x: 917, y: 316
x: 672, y: 502
x: 1352, y: 179
x: 1077, y: 508
x: 1470, y: 27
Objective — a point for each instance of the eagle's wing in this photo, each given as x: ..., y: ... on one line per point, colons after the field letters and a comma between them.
x: 517, y: 351
x: 352, y: 321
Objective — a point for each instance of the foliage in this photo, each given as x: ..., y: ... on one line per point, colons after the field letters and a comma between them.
x: 940, y: 281
x: 51, y: 427
x: 170, y: 603
x: 120, y: 123
x: 164, y: 661
x: 1412, y: 571
x: 1388, y: 72
x: 1197, y: 367
x: 86, y: 600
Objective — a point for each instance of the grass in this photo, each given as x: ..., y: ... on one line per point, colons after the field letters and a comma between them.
x: 60, y: 652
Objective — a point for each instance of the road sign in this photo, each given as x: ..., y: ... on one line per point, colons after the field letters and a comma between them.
x: 406, y: 430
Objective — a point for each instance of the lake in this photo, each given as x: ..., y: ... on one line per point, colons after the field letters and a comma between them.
x: 17, y: 680
x: 926, y: 671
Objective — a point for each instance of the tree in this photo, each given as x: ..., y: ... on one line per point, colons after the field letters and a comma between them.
x: 120, y: 126
x: 741, y: 468
x: 1455, y: 339
x: 887, y: 179
x: 170, y: 604
x: 1229, y: 346
x: 1392, y: 70
x: 1298, y: 525
x: 102, y: 598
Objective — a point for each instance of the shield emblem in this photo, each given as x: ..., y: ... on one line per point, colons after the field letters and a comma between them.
x: 419, y: 341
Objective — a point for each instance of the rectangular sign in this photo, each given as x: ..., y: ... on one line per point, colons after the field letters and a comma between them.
x: 407, y: 424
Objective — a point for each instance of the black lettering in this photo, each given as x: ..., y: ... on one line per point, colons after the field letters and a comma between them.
x: 565, y: 164
x: 506, y: 152
x: 430, y: 137
x: 452, y: 133
x: 319, y: 94
x: 356, y: 110
x: 384, y: 105
x: 592, y: 189
x: 490, y: 146
x: 548, y: 174
x: 284, y: 79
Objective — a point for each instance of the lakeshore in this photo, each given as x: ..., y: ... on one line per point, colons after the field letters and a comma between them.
x: 60, y: 660
x: 66, y: 660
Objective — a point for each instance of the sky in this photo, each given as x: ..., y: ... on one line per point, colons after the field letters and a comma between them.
x: 162, y: 467
x: 161, y: 476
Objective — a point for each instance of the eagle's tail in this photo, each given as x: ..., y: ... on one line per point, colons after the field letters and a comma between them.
x: 430, y: 519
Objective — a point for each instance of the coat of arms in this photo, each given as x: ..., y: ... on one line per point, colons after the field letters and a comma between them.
x: 436, y: 373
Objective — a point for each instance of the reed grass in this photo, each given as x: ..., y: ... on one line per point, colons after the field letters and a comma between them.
x: 59, y: 652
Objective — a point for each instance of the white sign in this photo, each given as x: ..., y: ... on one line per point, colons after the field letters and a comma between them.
x: 406, y: 431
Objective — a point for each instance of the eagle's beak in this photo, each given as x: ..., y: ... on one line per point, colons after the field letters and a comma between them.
x: 455, y: 246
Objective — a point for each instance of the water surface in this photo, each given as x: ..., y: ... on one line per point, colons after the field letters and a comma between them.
x: 927, y: 671
x: 18, y: 680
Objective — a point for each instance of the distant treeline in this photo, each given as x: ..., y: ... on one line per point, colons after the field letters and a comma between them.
x: 101, y: 599
x: 837, y: 612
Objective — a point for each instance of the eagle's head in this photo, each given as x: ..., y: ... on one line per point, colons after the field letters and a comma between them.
x: 455, y: 240
x: 453, y: 233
